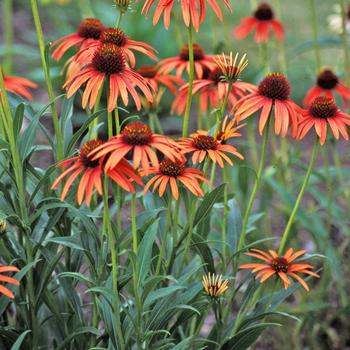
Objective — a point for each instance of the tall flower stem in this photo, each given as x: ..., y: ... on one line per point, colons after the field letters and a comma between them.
x: 7, y: 119
x: 190, y: 82
x: 315, y: 33
x: 343, y: 5
x: 108, y: 226
x: 7, y: 10
x: 280, y: 44
x: 119, y: 20
x: 300, y: 196
x: 164, y: 236
x: 56, y: 125
x: 85, y: 8
x: 254, y: 191
x: 133, y: 223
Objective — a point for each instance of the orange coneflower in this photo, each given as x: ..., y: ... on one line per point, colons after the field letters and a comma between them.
x: 88, y: 33
x: 109, y: 63
x: 193, y: 11
x: 214, y: 286
x: 280, y: 266
x: 206, y: 145
x: 171, y: 173
x: 118, y: 38
x: 323, y: 111
x: 6, y: 279
x: 262, y: 21
x: 19, y: 86
x: 138, y: 138
x: 328, y: 84
x: 182, y: 62
x: 92, y: 170
x: 273, y: 94
x: 155, y: 78
x: 212, y: 91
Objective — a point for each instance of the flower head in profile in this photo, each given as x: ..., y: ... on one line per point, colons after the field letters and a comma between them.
x: 280, y: 266
x: 3, y: 226
x: 211, y: 90
x: 6, y: 279
x: 88, y: 33
x: 273, y: 98
x: 203, y: 145
x: 324, y: 111
x: 182, y: 62
x: 193, y: 11
x: 171, y: 174
x: 328, y: 84
x: 214, y: 285
x: 230, y: 68
x: 262, y: 22
x: 108, y: 64
x: 117, y: 37
x: 91, y: 171
x: 138, y: 138
x: 19, y: 86
x: 123, y: 5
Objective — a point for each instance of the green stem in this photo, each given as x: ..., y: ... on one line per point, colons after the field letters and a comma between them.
x: 133, y: 222
x: 190, y: 82
x: 116, y: 119
x: 7, y: 8
x: 255, y: 189
x: 152, y: 121
x: 224, y: 224
x: 265, y: 58
x: 55, y: 120
x: 5, y: 111
x: 189, y: 233
x: 119, y: 21
x: 281, y: 49
x: 315, y: 33
x: 164, y: 236
x: 85, y: 9
x: 108, y: 225
x: 300, y: 196
x: 343, y: 5
x: 158, y: 124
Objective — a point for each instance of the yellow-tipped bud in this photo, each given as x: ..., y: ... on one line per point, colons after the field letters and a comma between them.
x: 214, y: 286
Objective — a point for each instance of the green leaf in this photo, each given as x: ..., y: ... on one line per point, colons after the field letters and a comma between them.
x: 144, y: 253
x: 245, y: 338
x: 234, y: 224
x: 207, y: 204
x: 18, y: 119
x: 19, y: 341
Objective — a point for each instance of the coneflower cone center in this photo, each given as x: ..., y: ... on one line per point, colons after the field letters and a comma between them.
x: 275, y: 86
x: 264, y: 12
x: 280, y: 264
x: 198, y: 53
x: 169, y: 168
x: 327, y: 80
x: 109, y: 59
x: 114, y: 36
x: 85, y: 150
x: 147, y: 71
x: 137, y: 134
x: 90, y: 28
x: 205, y: 142
x: 323, y: 107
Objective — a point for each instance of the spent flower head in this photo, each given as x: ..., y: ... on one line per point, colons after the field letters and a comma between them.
x: 230, y: 67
